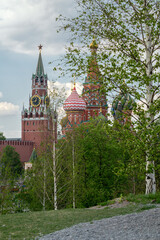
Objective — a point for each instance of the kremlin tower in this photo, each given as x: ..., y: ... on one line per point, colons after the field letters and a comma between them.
x: 37, y: 120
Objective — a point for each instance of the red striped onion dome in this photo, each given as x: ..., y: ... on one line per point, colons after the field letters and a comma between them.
x: 74, y: 102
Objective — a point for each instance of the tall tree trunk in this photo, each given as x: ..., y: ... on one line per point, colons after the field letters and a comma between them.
x: 54, y: 164
x: 44, y: 188
x: 150, y: 177
x: 73, y: 165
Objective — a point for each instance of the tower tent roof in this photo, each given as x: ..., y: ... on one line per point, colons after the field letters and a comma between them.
x: 40, y: 69
x: 33, y: 156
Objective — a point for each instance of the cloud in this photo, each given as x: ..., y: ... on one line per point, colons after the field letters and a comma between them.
x: 1, y: 94
x: 67, y: 86
x: 24, y: 24
x: 8, y: 109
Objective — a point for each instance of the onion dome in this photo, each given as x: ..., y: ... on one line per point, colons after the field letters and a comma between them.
x: 74, y: 102
x: 123, y: 102
x: 93, y: 44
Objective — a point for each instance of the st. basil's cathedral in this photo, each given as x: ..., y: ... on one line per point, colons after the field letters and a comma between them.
x: 37, y: 120
x: 92, y: 103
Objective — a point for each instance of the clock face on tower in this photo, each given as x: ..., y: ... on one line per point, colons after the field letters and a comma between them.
x: 35, y: 100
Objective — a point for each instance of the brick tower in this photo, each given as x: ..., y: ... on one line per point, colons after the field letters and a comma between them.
x: 36, y: 120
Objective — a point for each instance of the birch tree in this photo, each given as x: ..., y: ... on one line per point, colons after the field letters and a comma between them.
x: 128, y: 35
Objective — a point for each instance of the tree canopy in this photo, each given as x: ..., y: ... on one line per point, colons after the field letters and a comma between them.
x: 10, y: 164
x: 2, y: 137
x: 128, y: 35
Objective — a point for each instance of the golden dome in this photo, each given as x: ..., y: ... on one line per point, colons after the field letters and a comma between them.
x: 93, y: 44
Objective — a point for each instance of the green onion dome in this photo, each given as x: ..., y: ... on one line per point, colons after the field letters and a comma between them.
x: 123, y: 102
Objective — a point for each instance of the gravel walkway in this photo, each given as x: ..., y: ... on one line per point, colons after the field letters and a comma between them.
x: 136, y: 226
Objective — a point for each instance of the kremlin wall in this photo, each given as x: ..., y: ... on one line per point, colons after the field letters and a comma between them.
x: 24, y: 148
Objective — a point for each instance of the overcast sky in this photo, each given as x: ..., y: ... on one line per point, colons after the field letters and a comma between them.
x: 24, y: 25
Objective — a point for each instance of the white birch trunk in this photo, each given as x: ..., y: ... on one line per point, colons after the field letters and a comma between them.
x: 73, y: 163
x: 44, y: 188
x: 150, y: 177
x: 54, y: 166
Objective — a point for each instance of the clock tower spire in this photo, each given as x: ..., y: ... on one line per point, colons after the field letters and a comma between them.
x: 36, y: 120
x: 40, y: 69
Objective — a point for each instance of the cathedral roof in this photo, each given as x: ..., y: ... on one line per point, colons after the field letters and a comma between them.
x: 74, y: 102
x: 123, y: 102
x: 40, y: 69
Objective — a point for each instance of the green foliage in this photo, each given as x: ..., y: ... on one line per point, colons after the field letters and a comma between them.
x: 10, y: 164
x: 39, y: 183
x: 5, y: 199
x: 104, y: 165
x: 146, y: 208
x: 109, y: 162
x: 128, y: 37
x: 10, y: 180
x: 2, y: 137
x: 144, y: 199
x: 106, y: 161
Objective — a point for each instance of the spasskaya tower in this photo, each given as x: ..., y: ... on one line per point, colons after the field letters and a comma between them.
x: 36, y: 120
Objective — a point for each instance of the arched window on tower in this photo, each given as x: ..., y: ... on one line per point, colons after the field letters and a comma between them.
x: 41, y: 115
x: 26, y: 115
x: 31, y: 115
x: 36, y: 114
x: 36, y: 79
x: 41, y: 79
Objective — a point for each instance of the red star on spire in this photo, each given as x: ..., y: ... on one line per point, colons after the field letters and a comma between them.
x: 40, y: 47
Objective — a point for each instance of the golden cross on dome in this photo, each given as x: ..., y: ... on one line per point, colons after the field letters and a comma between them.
x: 74, y: 81
x: 40, y: 47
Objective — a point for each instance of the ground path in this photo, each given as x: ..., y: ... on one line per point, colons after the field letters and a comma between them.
x: 136, y: 226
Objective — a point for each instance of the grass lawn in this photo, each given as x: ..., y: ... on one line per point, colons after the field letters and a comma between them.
x: 31, y: 224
